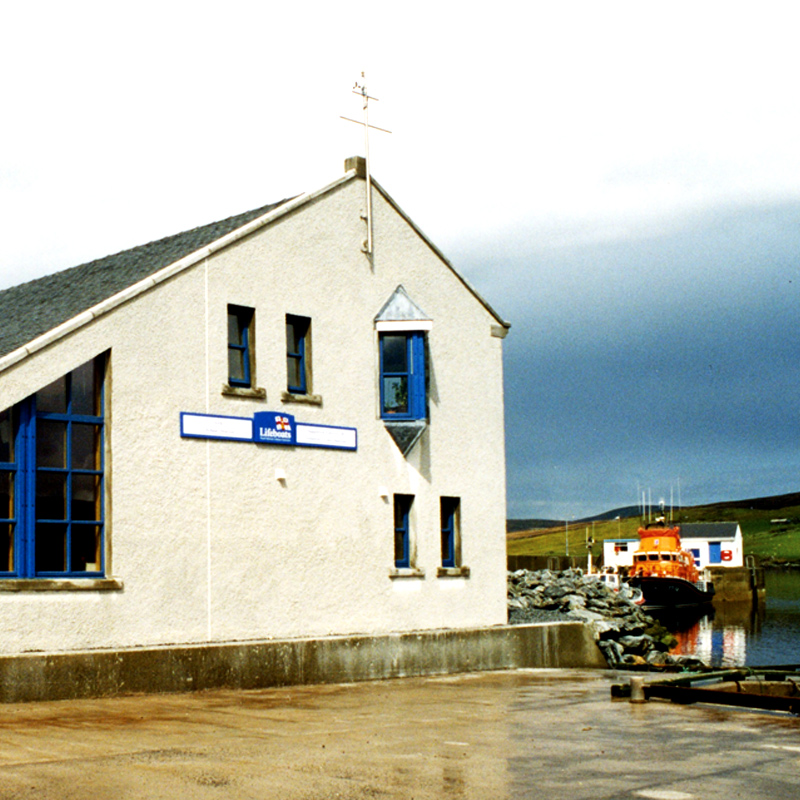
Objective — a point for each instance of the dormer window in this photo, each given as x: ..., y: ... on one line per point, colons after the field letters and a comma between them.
x: 403, y: 328
x: 403, y: 394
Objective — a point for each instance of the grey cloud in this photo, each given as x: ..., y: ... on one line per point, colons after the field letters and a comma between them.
x: 651, y: 359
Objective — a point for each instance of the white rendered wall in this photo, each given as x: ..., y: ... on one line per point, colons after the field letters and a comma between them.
x: 623, y: 558
x: 729, y: 544
x: 732, y: 545
x: 208, y: 544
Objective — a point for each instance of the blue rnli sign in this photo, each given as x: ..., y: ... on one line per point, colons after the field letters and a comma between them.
x: 270, y: 427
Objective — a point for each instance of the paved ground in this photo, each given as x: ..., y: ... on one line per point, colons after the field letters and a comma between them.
x: 532, y: 734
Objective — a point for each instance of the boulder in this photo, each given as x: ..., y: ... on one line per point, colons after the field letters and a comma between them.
x: 624, y: 633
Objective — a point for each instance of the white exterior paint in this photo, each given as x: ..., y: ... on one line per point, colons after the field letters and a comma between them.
x: 731, y: 550
x: 209, y: 546
x: 619, y: 552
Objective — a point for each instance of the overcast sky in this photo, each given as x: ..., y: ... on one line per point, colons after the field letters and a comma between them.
x: 621, y: 180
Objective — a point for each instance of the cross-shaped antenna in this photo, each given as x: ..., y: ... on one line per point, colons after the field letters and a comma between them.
x: 361, y: 89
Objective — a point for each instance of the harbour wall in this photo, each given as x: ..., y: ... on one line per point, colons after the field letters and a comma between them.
x: 738, y: 584
x: 555, y: 563
x: 263, y: 664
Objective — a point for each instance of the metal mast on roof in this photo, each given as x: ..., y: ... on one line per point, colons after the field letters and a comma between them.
x: 361, y: 89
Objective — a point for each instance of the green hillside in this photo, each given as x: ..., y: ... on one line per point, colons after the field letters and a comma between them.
x: 778, y: 541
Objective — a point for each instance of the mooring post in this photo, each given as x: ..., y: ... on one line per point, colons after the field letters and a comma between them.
x: 637, y: 690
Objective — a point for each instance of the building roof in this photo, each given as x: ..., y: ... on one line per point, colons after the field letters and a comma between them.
x: 39, y: 312
x: 709, y: 530
x: 33, y: 308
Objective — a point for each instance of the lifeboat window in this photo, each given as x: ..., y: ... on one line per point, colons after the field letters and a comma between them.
x: 653, y: 556
x: 641, y: 557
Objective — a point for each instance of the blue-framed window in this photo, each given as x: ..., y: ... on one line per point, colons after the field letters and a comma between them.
x: 402, y: 530
x: 449, y: 512
x: 8, y: 485
x: 51, y: 479
x: 241, y: 352
x: 402, y: 379
x: 298, y: 354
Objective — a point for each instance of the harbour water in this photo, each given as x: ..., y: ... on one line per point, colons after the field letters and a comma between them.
x: 746, y: 634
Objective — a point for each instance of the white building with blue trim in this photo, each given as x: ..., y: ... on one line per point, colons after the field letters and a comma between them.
x: 713, y: 544
x: 251, y: 430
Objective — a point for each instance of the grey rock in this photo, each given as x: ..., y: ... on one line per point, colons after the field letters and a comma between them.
x: 585, y: 615
x: 612, y: 651
x: 657, y: 658
x: 638, y: 645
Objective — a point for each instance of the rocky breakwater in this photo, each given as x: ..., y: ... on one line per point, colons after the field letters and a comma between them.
x: 623, y: 632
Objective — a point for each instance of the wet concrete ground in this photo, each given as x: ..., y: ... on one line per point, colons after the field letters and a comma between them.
x: 527, y: 734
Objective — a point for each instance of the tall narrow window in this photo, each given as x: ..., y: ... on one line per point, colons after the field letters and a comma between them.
x: 402, y: 530
x: 241, y: 354
x: 51, y: 479
x: 69, y: 474
x: 450, y: 531
x: 8, y: 481
x: 402, y: 365
x: 298, y: 354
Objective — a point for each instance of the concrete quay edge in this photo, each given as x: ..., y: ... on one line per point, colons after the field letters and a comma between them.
x: 285, y: 662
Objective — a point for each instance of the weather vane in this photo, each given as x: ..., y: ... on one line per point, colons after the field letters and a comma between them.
x: 361, y: 89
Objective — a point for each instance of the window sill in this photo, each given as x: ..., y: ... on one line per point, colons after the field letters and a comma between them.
x: 452, y: 572
x: 305, y: 399
x: 241, y: 391
x: 60, y: 585
x: 406, y: 572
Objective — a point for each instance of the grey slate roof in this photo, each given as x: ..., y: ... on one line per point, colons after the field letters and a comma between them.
x: 33, y: 308
x: 708, y: 530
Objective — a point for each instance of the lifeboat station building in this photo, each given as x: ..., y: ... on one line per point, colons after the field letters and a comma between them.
x: 272, y: 426
x: 713, y: 544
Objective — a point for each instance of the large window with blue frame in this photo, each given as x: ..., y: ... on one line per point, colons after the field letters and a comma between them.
x: 8, y: 484
x: 51, y: 479
x: 402, y: 379
x: 241, y: 351
x: 402, y: 530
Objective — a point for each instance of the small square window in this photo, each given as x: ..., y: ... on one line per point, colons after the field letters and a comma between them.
x: 298, y: 354
x: 241, y: 349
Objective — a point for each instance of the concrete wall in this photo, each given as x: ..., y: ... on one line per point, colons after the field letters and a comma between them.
x: 59, y: 676
x: 737, y: 584
x: 204, y: 543
x: 555, y: 563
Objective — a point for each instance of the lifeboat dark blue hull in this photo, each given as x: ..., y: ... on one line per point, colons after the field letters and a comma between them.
x: 668, y: 592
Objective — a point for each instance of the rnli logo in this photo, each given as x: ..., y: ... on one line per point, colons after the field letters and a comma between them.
x: 272, y: 428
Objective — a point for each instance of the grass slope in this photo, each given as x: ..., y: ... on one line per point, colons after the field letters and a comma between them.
x: 778, y: 541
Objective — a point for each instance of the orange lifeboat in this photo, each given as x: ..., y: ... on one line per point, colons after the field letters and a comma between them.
x: 665, y: 572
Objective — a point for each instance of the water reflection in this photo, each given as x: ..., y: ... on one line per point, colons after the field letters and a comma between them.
x: 750, y: 634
